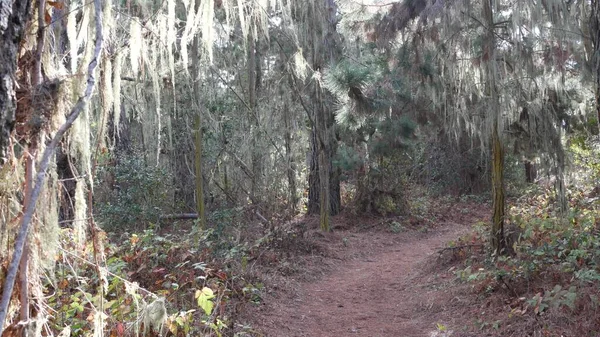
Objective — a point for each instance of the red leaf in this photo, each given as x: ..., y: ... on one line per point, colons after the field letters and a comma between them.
x: 47, y: 17
x: 120, y: 329
x: 221, y: 275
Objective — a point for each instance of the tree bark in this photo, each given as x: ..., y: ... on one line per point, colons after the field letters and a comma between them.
x: 595, y: 37
x: 198, y: 130
x: 198, y: 171
x: 290, y: 164
x: 497, y: 236
x: 498, y: 243
x: 14, y: 15
x: 324, y: 189
x: 530, y: 171
x: 32, y: 149
x: 253, y: 65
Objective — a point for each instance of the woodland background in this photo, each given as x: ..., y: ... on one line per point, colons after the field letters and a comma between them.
x: 120, y: 119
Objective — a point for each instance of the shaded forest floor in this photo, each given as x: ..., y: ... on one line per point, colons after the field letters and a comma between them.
x: 424, y: 274
x: 374, y: 278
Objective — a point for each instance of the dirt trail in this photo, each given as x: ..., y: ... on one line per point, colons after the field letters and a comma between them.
x: 388, y: 292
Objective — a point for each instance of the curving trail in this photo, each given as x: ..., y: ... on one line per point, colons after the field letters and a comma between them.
x: 392, y: 291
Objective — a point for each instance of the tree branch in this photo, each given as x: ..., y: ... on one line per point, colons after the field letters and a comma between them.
x: 43, y: 167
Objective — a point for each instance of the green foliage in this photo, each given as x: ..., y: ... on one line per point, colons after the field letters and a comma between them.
x: 514, y: 176
x: 392, y: 135
x: 366, y: 89
x: 586, y: 157
x: 556, y: 257
x: 74, y: 294
x: 136, y: 194
x: 347, y: 158
x: 205, y: 300
x: 555, y: 298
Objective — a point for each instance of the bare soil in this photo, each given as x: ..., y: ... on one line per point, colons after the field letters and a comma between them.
x: 371, y: 281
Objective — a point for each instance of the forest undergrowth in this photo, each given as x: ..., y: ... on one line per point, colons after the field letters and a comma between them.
x: 172, y: 280
x: 547, y: 283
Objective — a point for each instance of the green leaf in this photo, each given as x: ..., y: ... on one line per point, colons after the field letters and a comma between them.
x: 204, y: 298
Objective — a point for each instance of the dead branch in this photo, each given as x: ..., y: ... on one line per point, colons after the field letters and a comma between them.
x: 183, y: 216
x: 43, y: 167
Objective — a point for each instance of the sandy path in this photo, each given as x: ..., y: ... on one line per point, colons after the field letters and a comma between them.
x: 384, y: 294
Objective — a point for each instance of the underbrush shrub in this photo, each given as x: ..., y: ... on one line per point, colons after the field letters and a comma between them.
x: 585, y: 154
x: 515, y: 176
x: 202, y: 274
x: 383, y: 189
x: 553, y: 263
x: 130, y: 193
x: 450, y: 167
x: 373, y: 163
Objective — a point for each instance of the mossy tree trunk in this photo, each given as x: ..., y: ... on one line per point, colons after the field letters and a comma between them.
x: 324, y: 191
x: 290, y: 163
x: 497, y: 240
x: 497, y: 235
x: 254, y: 69
x: 198, y: 131
x: 595, y: 39
x: 198, y: 171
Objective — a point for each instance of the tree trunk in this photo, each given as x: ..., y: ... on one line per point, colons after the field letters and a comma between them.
x: 497, y: 237
x: 198, y: 171
x: 530, y: 171
x: 497, y: 240
x: 313, y: 174
x: 14, y: 15
x: 253, y: 64
x: 290, y: 164
x: 595, y: 37
x: 198, y: 130
x: 324, y: 189
x: 49, y: 151
x: 324, y: 159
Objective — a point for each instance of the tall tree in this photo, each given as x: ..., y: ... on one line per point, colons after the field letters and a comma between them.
x: 324, y: 191
x: 490, y: 58
x: 254, y: 69
x: 474, y: 59
x: 48, y: 153
x: 198, y: 134
x: 595, y: 37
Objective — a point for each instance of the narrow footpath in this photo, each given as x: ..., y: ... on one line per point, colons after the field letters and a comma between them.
x: 393, y: 291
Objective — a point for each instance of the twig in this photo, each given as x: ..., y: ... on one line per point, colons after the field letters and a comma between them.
x: 262, y: 218
x: 43, y: 167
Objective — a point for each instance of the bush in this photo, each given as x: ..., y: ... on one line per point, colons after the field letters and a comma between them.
x: 131, y: 194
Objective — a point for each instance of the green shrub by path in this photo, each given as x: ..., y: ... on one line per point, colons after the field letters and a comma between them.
x: 133, y: 194
x: 553, y: 269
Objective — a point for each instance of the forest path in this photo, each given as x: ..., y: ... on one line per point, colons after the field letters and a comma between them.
x: 393, y: 290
